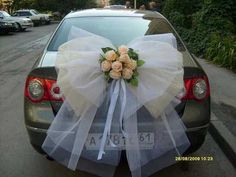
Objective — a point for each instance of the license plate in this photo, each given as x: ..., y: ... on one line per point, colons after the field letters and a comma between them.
x: 146, y: 141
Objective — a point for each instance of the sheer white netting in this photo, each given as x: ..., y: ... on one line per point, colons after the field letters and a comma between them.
x: 92, y: 106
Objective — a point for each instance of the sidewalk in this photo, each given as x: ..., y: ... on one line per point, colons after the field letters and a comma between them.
x: 223, y: 93
x: 222, y: 82
x: 223, y: 107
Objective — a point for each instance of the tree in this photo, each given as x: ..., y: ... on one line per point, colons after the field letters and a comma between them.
x: 63, y: 6
x: 180, y: 12
x: 207, y: 26
x: 139, y: 2
x: 121, y: 2
x: 215, y: 16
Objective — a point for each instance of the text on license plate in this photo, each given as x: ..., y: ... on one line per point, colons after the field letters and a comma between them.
x: 146, y: 141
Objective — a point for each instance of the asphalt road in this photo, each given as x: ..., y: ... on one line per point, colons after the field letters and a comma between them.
x: 18, y: 53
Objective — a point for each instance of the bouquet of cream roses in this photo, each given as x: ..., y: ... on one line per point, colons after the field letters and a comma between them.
x: 121, y: 63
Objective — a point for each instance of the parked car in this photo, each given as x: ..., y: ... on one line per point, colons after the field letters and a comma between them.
x: 115, y: 7
x: 22, y: 23
x: 36, y: 17
x: 7, y: 26
x: 48, y: 16
x: 42, y: 97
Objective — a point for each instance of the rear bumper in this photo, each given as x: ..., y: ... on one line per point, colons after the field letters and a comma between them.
x: 196, y: 137
x: 38, y: 117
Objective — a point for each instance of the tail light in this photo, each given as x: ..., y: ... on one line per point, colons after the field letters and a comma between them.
x: 196, y: 88
x: 38, y: 89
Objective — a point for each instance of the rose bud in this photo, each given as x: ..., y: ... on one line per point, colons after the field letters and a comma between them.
x: 127, y: 73
x: 111, y: 55
x: 106, y: 65
x: 131, y: 64
x: 123, y: 49
x: 117, y: 66
x: 124, y: 58
x: 115, y: 75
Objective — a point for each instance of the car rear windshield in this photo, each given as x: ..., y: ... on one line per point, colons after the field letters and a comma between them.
x: 120, y: 30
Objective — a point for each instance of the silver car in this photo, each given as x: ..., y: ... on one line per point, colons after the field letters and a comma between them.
x: 35, y: 16
x: 43, y: 98
x: 22, y: 23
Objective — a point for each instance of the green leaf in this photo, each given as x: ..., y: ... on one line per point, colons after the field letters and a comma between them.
x: 102, y: 58
x: 140, y: 62
x: 107, y: 73
x: 134, y: 82
x: 131, y: 50
x: 132, y: 54
x: 106, y: 49
x: 107, y: 76
x: 136, y: 73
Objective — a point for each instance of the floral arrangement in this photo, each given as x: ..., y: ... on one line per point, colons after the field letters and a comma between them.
x: 120, y: 63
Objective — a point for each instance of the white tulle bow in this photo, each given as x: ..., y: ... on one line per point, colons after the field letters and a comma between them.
x: 93, y: 105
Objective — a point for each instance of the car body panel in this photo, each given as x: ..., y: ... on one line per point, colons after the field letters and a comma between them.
x: 38, y: 116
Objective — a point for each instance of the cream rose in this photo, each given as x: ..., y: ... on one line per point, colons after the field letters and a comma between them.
x: 131, y: 64
x: 123, y: 49
x: 115, y: 75
x: 106, y: 65
x: 111, y: 55
x: 127, y: 73
x: 117, y: 66
x: 124, y: 58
